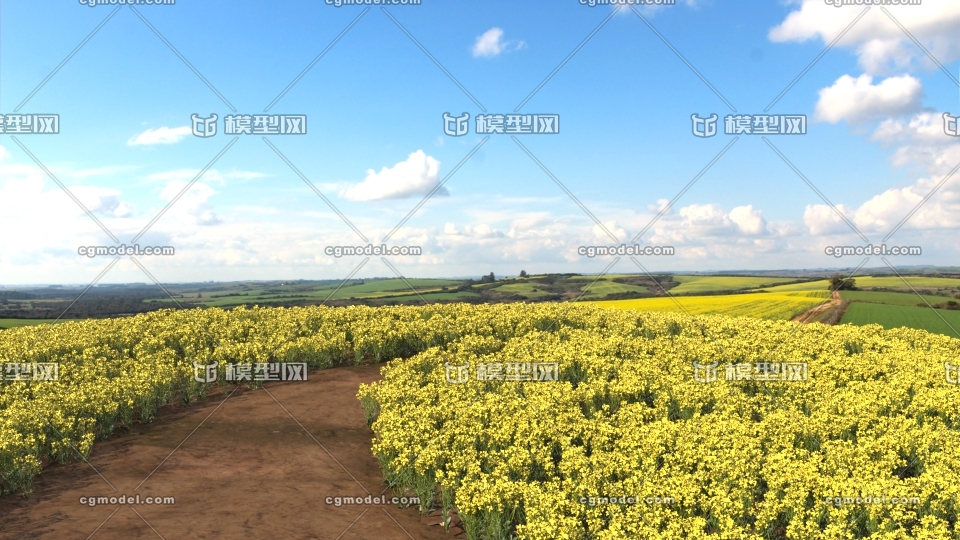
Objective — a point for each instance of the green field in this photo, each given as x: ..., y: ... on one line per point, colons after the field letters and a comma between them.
x: 369, y: 290
x: 605, y: 276
x: 918, y: 282
x: 820, y: 285
x: 529, y: 290
x: 604, y: 287
x: 701, y: 284
x: 888, y: 316
x: 434, y: 297
x: 16, y: 323
x: 759, y: 305
x: 892, y: 298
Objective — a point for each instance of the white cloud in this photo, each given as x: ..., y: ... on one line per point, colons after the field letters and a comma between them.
x: 418, y: 175
x: 879, y: 215
x: 859, y: 100
x: 491, y: 43
x: 880, y: 44
x: 748, y: 220
x: 920, y: 141
x: 192, y: 204
x: 821, y: 219
x: 102, y: 201
x: 660, y: 206
x: 162, y: 135
x: 600, y: 235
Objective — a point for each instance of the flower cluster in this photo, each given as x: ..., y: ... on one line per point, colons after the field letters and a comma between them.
x: 737, y: 459
x: 874, y: 418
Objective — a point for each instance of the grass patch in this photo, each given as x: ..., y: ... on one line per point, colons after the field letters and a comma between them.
x: 890, y: 316
x: 701, y: 284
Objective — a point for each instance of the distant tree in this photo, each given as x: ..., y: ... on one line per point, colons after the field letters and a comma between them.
x: 488, y: 279
x: 839, y: 283
x: 523, y: 273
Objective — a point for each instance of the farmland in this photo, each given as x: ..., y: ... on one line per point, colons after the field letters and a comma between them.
x: 895, y: 316
x: 16, y: 323
x: 701, y: 284
x: 616, y: 369
x: 772, y: 306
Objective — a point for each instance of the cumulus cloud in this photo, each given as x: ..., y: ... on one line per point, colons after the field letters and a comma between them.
x: 859, y: 100
x: 193, y: 203
x: 748, y: 220
x: 879, y: 43
x: 491, y: 43
x: 162, y: 135
x: 662, y: 204
x: 102, y: 201
x: 600, y: 233
x: 417, y: 176
x: 881, y: 213
x: 699, y: 221
x: 920, y: 141
x: 821, y: 219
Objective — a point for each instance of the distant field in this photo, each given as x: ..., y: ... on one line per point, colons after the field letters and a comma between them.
x: 888, y: 316
x: 783, y: 306
x: 435, y: 297
x: 605, y: 276
x: 525, y: 289
x: 800, y: 287
x: 895, y: 282
x: 16, y: 323
x: 602, y: 288
x: 884, y: 282
x: 369, y: 290
x: 892, y: 298
x: 699, y: 284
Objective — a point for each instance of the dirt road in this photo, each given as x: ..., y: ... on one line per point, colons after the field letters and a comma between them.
x: 237, y: 468
x: 812, y: 315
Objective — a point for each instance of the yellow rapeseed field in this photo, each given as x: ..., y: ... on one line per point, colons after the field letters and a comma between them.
x: 616, y: 437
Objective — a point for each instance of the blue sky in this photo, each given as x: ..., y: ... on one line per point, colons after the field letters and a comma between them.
x: 875, y: 144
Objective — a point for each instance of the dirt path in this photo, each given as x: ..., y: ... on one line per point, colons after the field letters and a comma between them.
x: 812, y: 315
x: 248, y: 471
